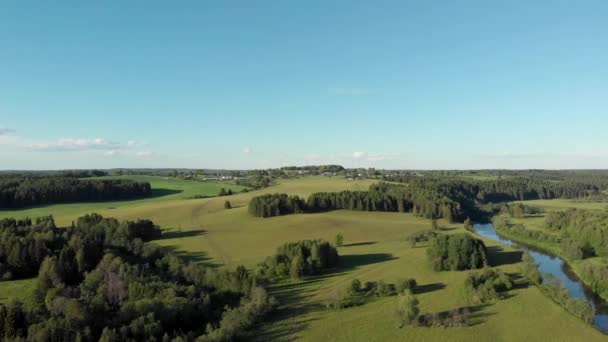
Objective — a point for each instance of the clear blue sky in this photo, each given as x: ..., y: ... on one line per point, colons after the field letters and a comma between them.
x: 252, y: 84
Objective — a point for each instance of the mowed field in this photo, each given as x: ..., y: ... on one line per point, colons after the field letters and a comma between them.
x: 202, y: 230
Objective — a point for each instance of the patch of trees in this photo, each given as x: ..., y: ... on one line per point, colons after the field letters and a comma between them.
x: 486, y: 285
x: 452, y: 252
x: 357, y: 293
x: 580, y: 308
x: 100, y: 281
x: 596, y: 276
x: 423, y: 236
x: 299, y: 259
x: 585, y: 231
x: 19, y: 192
x: 276, y: 205
x: 519, y: 210
x: 519, y: 231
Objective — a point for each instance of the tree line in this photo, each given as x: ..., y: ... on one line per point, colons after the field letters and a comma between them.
x: 19, y: 191
x: 99, y: 281
x: 453, y: 199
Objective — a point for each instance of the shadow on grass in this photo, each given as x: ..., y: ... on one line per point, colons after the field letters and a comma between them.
x: 159, y: 192
x: 498, y: 256
x: 367, y: 243
x: 201, y: 258
x: 478, y: 314
x: 420, y: 289
x: 287, y: 321
x: 352, y: 261
x: 175, y: 234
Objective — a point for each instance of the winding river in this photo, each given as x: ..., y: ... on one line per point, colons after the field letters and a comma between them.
x: 556, y: 266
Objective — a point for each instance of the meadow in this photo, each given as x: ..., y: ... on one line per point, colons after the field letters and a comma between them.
x: 374, y: 249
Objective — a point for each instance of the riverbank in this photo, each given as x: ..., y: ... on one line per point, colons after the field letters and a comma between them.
x: 554, y: 249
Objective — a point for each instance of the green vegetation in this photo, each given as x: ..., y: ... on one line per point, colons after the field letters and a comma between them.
x: 487, y: 285
x: 20, y: 191
x: 457, y: 252
x: 299, y: 259
x: 201, y: 231
x: 98, y: 281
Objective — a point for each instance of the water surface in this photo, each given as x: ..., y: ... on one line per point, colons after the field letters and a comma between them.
x: 556, y: 266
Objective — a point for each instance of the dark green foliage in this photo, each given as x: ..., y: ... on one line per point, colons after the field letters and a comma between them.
x: 423, y: 236
x: 356, y: 294
x: 580, y: 308
x: 99, y: 281
x: 486, y: 285
x: 299, y: 259
x: 21, y: 191
x: 519, y: 210
x: 585, y: 230
x: 447, y: 319
x: 406, y: 285
x: 502, y: 225
x: 596, y: 276
x: 276, y: 205
x: 529, y: 269
x: 457, y: 252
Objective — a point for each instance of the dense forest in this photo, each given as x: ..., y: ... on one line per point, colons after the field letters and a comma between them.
x: 453, y: 199
x: 22, y: 191
x: 99, y: 281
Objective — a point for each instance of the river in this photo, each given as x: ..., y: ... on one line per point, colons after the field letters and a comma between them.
x: 556, y: 266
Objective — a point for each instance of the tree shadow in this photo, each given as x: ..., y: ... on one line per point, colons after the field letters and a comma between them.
x: 201, y: 258
x: 420, y: 289
x: 160, y: 192
x: 176, y: 234
x: 498, y: 256
x: 367, y: 243
x: 447, y: 229
x: 284, y: 323
x: 478, y: 314
x: 352, y: 261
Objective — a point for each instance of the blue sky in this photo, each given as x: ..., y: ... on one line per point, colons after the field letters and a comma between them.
x: 256, y: 84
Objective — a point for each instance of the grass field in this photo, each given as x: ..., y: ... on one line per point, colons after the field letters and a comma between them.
x: 202, y: 230
x: 163, y: 190
x: 560, y: 204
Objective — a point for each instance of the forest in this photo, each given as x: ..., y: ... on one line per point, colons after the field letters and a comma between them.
x: 24, y: 191
x: 449, y: 198
x: 99, y: 281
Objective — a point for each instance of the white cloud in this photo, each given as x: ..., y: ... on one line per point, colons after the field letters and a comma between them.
x: 69, y: 144
x: 110, y: 153
x: 359, y: 155
x: 247, y: 150
x: 82, y: 144
x: 145, y: 154
x: 5, y: 130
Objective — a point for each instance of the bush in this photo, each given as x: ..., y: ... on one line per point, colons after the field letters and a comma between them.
x: 407, y: 309
x: 406, y: 285
x: 487, y: 285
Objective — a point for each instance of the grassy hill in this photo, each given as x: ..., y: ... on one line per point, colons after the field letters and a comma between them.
x: 202, y: 230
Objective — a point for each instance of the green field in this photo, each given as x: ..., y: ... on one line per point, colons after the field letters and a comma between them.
x: 560, y: 204
x: 163, y: 190
x: 202, y: 230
